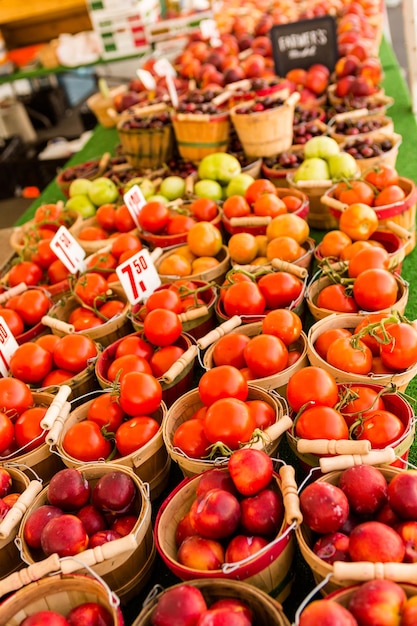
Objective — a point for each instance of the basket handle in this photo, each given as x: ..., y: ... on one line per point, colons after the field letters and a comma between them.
x: 290, y: 495
x: 349, y: 115
x: 54, y: 433
x: 59, y: 325
x: 333, y: 446
x: 54, y: 409
x: 251, y: 220
x: 365, y: 570
x: 29, y: 574
x: 218, y: 332
x: 398, y: 230
x: 333, y: 203
x: 292, y: 99
x: 156, y: 253
x: 308, y: 184
x: 12, y: 291
x: 343, y: 461
x: 194, y: 314
x: 271, y: 433
x: 291, y: 268
x: 16, y: 512
x: 180, y: 364
x: 96, y: 555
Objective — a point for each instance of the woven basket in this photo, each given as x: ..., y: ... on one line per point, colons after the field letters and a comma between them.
x: 146, y: 147
x: 270, y: 571
x: 198, y: 135
x: 317, y: 285
x: 386, y: 158
x: 319, y: 215
x: 350, y: 321
x: 216, y: 274
x: 103, y: 107
x: 172, y: 386
x: 268, y: 132
x: 150, y: 463
x: 320, y: 569
x: 395, y: 403
x: 40, y: 461
x: 105, y: 334
x: 265, y: 610
x: 59, y: 593
x: 10, y: 560
x: 402, y: 213
x: 184, y: 408
x: 255, y: 224
x: 278, y: 176
x: 386, y: 126
x: 278, y: 382
x: 127, y: 573
x: 376, y: 103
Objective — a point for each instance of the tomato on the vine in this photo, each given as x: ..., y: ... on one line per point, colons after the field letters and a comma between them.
x: 90, y: 288
x: 106, y: 412
x: 350, y: 357
x: 375, y: 289
x: 230, y: 422
x: 335, y: 298
x: 321, y: 422
x: 243, y: 298
x: 382, y: 428
x: 360, y: 401
x: 400, y: 352
x: 280, y: 289
x: 25, y: 272
x: 324, y: 340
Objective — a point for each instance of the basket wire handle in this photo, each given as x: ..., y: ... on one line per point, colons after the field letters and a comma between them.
x: 290, y: 496
x: 54, y: 409
x: 16, y: 512
x: 333, y: 446
x: 309, y: 597
x: 343, y: 461
x: 218, y: 332
x: 29, y: 574
x: 113, y: 598
x: 12, y: 291
x: 365, y: 570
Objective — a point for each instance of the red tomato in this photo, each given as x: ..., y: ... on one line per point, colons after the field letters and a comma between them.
x: 111, y: 308
x: 191, y: 439
x: 126, y: 242
x: 162, y: 327
x: 224, y: 381
x: 335, y: 298
x: 229, y: 350
x: 367, y: 258
x: 134, y: 345
x: 162, y: 359
x: 105, y: 216
x: 102, y: 263
x: 83, y: 319
x: 266, y: 355
x: 280, y: 289
x: 32, y: 305
x: 127, y: 363
x: 106, y: 412
x: 28, y: 430
x: 15, y: 396
x: 74, y: 352
x: 13, y: 321
x: 154, y: 217
x: 48, y: 213
x: 85, y: 441
x: 43, y: 255
x: 375, y: 289
x: 90, y: 287
x: 324, y: 340
x: 311, y: 384
x: 30, y: 363
x: 25, y: 272
x: 164, y: 299
x: 140, y: 393
x: 359, y: 401
x: 371, y: 340
x: 47, y: 341
x: 123, y: 220
x: 381, y: 428
x: 263, y: 413
x: 284, y: 324
x: 382, y: 176
x: 321, y: 422
x: 400, y: 352
x: 56, y: 377
x: 179, y: 224
x: 230, y: 422
x: 57, y: 272
x: 204, y: 209
x: 135, y: 433
x: 348, y: 357
x: 243, y: 298
x: 6, y: 432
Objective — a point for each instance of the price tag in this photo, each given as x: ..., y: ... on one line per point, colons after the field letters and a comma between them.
x: 163, y: 67
x: 138, y: 276
x: 68, y: 250
x: 172, y: 91
x: 209, y: 30
x: 146, y: 79
x: 134, y: 200
x: 8, y: 346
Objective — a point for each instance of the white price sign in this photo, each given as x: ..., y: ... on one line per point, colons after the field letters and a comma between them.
x: 68, y: 250
x: 163, y: 67
x: 146, y: 79
x: 138, y: 276
x: 134, y: 200
x: 8, y: 346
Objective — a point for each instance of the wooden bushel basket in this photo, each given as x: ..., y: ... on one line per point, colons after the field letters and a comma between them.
x: 125, y: 573
x: 269, y: 570
x: 183, y: 409
x: 216, y: 273
x: 59, y: 593
x: 385, y: 158
x: 319, y: 215
x: 386, y: 125
x: 198, y: 135
x: 350, y: 321
x: 265, y: 610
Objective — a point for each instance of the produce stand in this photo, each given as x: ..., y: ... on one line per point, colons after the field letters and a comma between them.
x: 104, y: 140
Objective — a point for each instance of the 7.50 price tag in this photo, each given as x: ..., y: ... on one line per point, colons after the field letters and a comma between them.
x: 68, y: 250
x: 8, y: 345
x: 138, y: 276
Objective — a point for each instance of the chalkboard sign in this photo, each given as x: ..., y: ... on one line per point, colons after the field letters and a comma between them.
x: 304, y: 43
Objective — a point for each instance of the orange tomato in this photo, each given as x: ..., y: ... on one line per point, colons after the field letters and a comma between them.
x: 334, y: 242
x: 204, y: 239
x: 359, y: 221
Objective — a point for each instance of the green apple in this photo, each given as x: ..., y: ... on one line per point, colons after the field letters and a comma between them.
x: 219, y: 166
x: 342, y: 165
x: 172, y: 187
x: 146, y: 186
x: 79, y: 186
x: 103, y: 191
x: 322, y: 147
x: 82, y: 204
x: 239, y: 184
x: 207, y: 188
x: 312, y: 169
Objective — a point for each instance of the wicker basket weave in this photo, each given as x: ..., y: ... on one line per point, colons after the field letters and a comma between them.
x: 198, y: 135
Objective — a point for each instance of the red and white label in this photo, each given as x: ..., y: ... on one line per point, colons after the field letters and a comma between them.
x: 134, y: 200
x: 138, y: 276
x: 68, y: 250
x: 8, y: 346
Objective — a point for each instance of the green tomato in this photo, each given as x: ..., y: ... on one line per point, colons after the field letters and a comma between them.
x: 239, y: 184
x: 79, y: 186
x: 342, y: 165
x: 322, y: 147
x: 208, y: 189
x: 82, y: 204
x: 103, y: 191
x: 219, y: 166
x: 312, y: 169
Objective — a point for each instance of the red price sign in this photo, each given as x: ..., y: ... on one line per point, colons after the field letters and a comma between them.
x: 8, y: 346
x: 68, y: 250
x: 134, y: 200
x: 138, y: 276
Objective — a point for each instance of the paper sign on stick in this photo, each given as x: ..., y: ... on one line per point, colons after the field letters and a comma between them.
x: 8, y: 346
x: 68, y: 250
x: 138, y: 276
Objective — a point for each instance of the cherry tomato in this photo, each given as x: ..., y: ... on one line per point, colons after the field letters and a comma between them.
x: 334, y: 298
x: 229, y: 350
x: 321, y: 422
x: 90, y: 287
x: 140, y: 393
x: 85, y: 441
x: 135, y: 433
x: 191, y: 439
x: 106, y: 412
x: 375, y: 289
x: 346, y: 356
x: 311, y: 384
x: 28, y: 430
x: 284, y: 324
x: 6, y: 432
x: 73, y: 352
x: 30, y: 363
x: 162, y: 327
x: 280, y: 289
x: 266, y: 355
x: 224, y: 381
x: 229, y: 420
x: 401, y: 351
x: 381, y: 428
